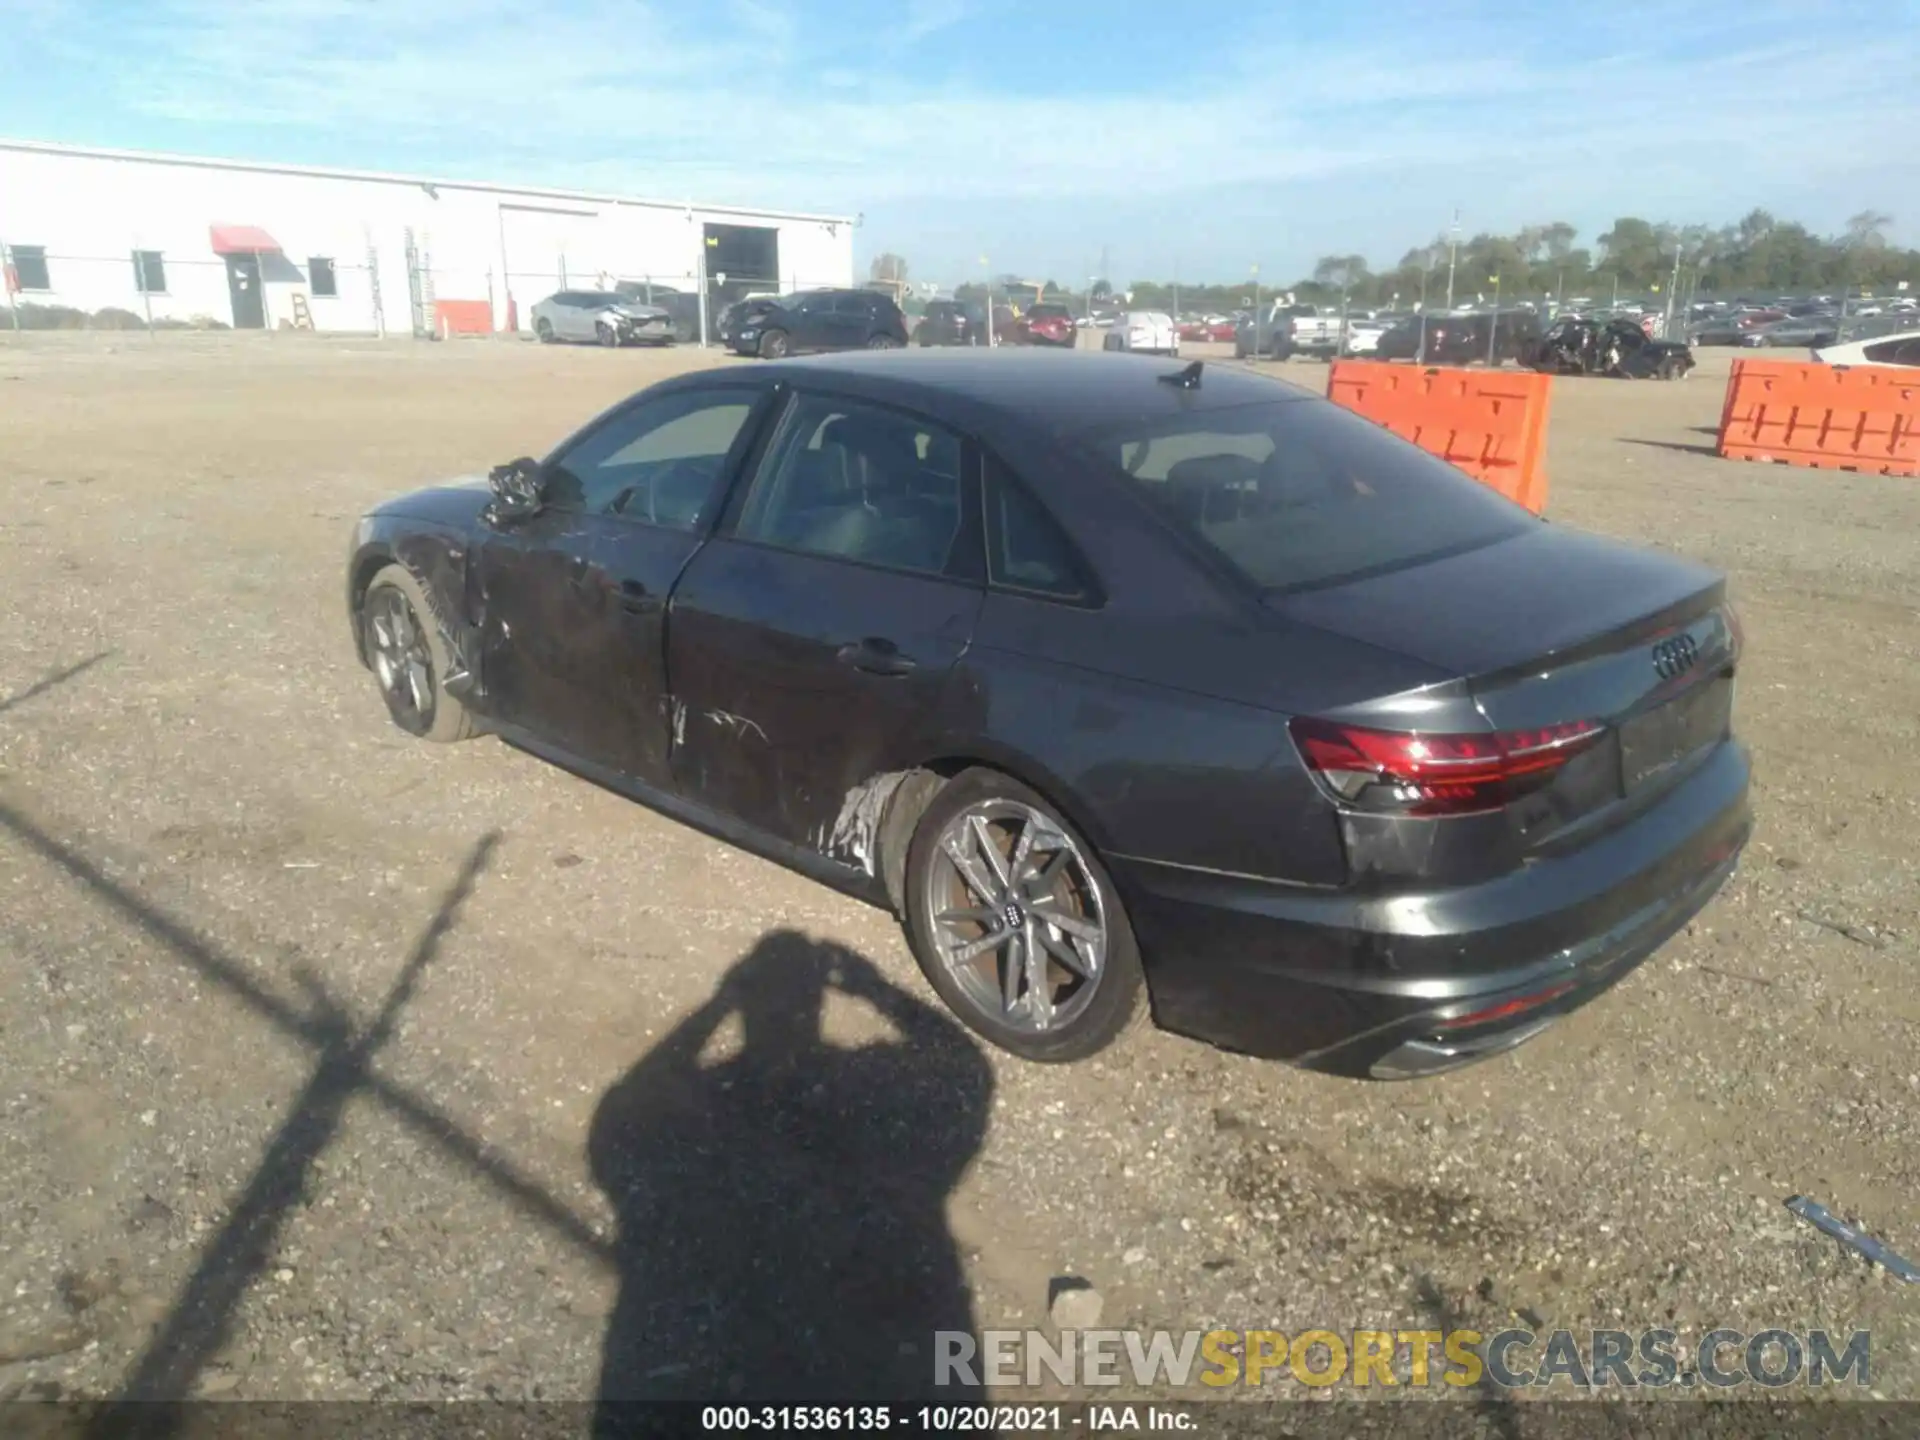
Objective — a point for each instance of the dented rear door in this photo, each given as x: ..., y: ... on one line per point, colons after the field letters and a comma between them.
x: 811, y: 642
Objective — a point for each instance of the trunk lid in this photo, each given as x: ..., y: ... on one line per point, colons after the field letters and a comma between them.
x: 1550, y: 629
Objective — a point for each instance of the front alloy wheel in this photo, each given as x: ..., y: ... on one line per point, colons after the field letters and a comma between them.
x: 398, y: 647
x: 1016, y: 924
x: 410, y: 659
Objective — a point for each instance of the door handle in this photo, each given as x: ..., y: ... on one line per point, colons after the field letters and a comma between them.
x: 876, y: 656
x: 636, y: 598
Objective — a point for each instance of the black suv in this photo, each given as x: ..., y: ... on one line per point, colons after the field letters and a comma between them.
x: 1463, y: 339
x: 821, y: 320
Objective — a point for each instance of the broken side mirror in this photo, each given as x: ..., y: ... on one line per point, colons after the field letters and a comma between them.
x: 519, y: 488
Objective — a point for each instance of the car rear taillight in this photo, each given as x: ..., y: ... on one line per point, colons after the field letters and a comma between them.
x: 1401, y: 772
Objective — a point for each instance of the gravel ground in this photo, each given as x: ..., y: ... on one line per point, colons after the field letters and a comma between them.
x: 339, y: 1066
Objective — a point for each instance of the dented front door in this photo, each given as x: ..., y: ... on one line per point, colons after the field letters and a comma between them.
x: 572, y: 612
x: 573, y: 600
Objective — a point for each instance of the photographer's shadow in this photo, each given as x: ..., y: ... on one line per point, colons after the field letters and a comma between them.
x: 782, y: 1222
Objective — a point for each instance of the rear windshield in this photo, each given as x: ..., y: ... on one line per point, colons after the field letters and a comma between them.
x: 1297, y: 494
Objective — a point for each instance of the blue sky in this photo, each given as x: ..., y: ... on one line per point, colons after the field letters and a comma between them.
x: 1189, y: 141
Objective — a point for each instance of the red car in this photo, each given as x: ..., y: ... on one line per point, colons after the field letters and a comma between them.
x: 1049, y: 324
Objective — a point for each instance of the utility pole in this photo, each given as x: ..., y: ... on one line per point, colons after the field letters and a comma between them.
x: 1259, y: 321
x: 1453, y: 254
x: 1673, y: 284
x: 1493, y: 326
x: 1420, y: 356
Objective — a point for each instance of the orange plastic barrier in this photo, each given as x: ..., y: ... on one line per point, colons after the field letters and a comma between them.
x: 1490, y: 423
x: 463, y: 317
x: 1836, y: 417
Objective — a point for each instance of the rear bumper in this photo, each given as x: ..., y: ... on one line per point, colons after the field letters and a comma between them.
x: 1377, y: 986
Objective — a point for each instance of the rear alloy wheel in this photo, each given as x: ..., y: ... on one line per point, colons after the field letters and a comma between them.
x: 609, y: 336
x: 1016, y: 924
x: 883, y: 341
x: 773, y: 345
x: 544, y: 329
x: 409, y: 659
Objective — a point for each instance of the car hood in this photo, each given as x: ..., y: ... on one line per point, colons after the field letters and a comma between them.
x: 453, y: 502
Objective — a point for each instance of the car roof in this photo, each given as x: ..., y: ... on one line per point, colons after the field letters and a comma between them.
x: 1057, y: 391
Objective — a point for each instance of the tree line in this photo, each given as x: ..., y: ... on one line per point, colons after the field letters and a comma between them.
x: 1757, y: 255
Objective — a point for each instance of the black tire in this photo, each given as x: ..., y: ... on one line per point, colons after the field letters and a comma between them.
x: 882, y: 341
x: 1117, y: 998
x: 609, y: 336
x: 774, y: 345
x: 442, y: 719
x: 543, y: 328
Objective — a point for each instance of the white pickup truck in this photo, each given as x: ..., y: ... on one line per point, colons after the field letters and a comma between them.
x: 1316, y: 328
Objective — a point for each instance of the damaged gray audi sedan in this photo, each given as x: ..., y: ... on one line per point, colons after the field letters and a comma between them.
x: 1120, y: 682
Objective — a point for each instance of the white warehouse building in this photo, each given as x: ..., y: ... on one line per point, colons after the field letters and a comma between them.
x: 173, y: 239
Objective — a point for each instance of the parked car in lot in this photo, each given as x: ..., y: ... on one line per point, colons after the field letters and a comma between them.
x: 600, y: 316
x: 1263, y: 337
x: 751, y: 310
x: 1232, y: 698
x: 1574, y: 346
x: 1731, y: 329
x: 1150, y: 332
x: 1047, y: 323
x: 1808, y: 331
x: 951, y: 322
x: 682, y: 305
x: 1363, y: 336
x: 822, y: 320
x: 1463, y: 339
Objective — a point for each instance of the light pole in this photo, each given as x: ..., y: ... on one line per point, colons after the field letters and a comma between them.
x: 1420, y: 356
x: 1673, y: 286
x: 986, y: 274
x: 1259, y: 320
x: 1493, y: 327
x: 1453, y: 254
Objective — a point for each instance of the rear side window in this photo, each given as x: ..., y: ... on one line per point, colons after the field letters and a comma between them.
x: 1026, y: 548
x: 1302, y: 493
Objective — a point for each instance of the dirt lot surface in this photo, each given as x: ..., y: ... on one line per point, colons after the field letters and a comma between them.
x: 338, y: 1065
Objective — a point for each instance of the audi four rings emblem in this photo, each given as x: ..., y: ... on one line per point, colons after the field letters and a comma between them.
x: 1676, y: 656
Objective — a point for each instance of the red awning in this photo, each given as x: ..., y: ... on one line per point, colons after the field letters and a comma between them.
x: 243, y: 240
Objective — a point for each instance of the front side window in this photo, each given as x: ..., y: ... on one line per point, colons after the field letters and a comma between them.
x: 659, y: 462
x: 1295, y: 494
x: 861, y: 483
